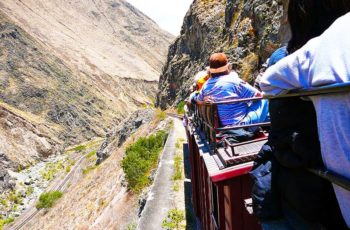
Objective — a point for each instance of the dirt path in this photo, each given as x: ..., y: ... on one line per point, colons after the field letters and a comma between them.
x: 162, y: 197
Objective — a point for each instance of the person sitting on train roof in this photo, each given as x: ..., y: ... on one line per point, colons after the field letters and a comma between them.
x: 199, y: 79
x: 323, y: 61
x: 225, y: 84
x: 273, y: 59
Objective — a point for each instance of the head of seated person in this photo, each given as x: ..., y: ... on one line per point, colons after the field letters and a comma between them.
x: 219, y: 65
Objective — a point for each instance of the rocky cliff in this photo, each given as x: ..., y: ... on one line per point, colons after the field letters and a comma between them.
x: 71, y: 70
x: 248, y: 31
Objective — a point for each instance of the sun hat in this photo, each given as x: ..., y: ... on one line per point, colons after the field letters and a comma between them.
x: 218, y: 63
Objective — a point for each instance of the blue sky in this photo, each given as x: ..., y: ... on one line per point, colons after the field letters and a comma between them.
x: 168, y: 14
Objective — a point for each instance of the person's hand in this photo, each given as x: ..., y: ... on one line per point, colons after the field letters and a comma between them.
x: 209, y: 99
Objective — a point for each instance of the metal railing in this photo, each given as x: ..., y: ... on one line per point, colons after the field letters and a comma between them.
x: 212, y: 124
x: 319, y: 91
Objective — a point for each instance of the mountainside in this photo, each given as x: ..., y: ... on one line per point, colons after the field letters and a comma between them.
x: 248, y: 31
x: 96, y: 36
x: 71, y: 70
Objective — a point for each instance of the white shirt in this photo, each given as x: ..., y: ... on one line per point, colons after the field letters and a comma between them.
x: 322, y: 61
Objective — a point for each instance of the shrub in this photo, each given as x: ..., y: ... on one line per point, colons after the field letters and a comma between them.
x: 160, y: 115
x: 3, y: 202
x: 3, y: 222
x: 89, y: 169
x: 29, y: 190
x: 79, y: 148
x: 51, y: 169
x: 174, y: 219
x: 68, y: 168
x: 15, y: 197
x: 91, y: 154
x: 48, y: 199
x: 141, y: 157
x: 181, y: 107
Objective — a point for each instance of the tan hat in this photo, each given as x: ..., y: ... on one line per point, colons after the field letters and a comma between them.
x: 218, y: 63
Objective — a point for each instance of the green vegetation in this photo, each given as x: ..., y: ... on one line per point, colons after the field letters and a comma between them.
x: 180, y: 107
x: 3, y: 222
x: 160, y: 115
x: 51, y: 169
x: 68, y: 168
x: 177, y: 167
x: 89, y: 169
x: 29, y: 190
x: 174, y: 219
x: 15, y: 197
x: 176, y: 187
x: 131, y: 226
x: 179, y: 143
x: 91, y: 154
x: 141, y: 157
x: 79, y: 148
x: 3, y: 202
x: 47, y: 200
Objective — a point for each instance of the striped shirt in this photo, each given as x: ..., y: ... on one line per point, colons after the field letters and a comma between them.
x: 225, y: 87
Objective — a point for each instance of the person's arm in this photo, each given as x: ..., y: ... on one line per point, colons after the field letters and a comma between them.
x: 292, y: 72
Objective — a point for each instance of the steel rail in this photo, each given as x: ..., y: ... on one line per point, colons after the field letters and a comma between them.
x: 58, y: 187
x: 322, y: 90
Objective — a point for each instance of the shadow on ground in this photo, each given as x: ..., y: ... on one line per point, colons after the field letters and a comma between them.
x: 190, y: 216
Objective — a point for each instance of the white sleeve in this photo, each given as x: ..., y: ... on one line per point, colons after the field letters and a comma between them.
x: 292, y: 72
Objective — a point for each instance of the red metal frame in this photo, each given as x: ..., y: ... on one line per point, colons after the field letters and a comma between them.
x: 232, y: 172
x: 218, y: 195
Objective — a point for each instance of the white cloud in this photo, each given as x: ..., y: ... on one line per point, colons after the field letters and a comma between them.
x: 168, y: 14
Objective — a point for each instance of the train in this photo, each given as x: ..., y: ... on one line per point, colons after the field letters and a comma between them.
x: 221, y: 184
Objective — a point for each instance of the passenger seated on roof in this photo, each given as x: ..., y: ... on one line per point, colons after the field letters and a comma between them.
x: 307, y: 201
x: 323, y: 61
x: 199, y: 80
x: 225, y: 84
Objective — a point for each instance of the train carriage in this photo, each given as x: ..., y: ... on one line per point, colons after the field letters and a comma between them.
x: 221, y: 187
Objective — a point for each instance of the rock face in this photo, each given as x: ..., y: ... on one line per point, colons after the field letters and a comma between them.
x: 123, y: 131
x: 246, y: 30
x: 22, y: 142
x: 71, y: 70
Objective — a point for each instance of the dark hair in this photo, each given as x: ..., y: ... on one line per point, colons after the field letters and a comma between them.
x: 310, y: 18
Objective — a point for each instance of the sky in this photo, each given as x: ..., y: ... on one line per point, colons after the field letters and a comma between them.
x: 168, y: 14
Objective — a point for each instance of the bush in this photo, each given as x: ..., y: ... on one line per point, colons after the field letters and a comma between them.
x: 15, y: 197
x: 141, y: 157
x: 160, y: 115
x: 3, y: 222
x: 51, y: 169
x: 174, y: 219
x: 79, y: 148
x: 89, y: 169
x: 48, y: 199
x: 29, y: 190
x: 181, y: 107
x: 91, y: 154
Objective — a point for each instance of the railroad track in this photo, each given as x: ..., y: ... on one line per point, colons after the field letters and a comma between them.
x: 33, y: 211
x: 59, y: 187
